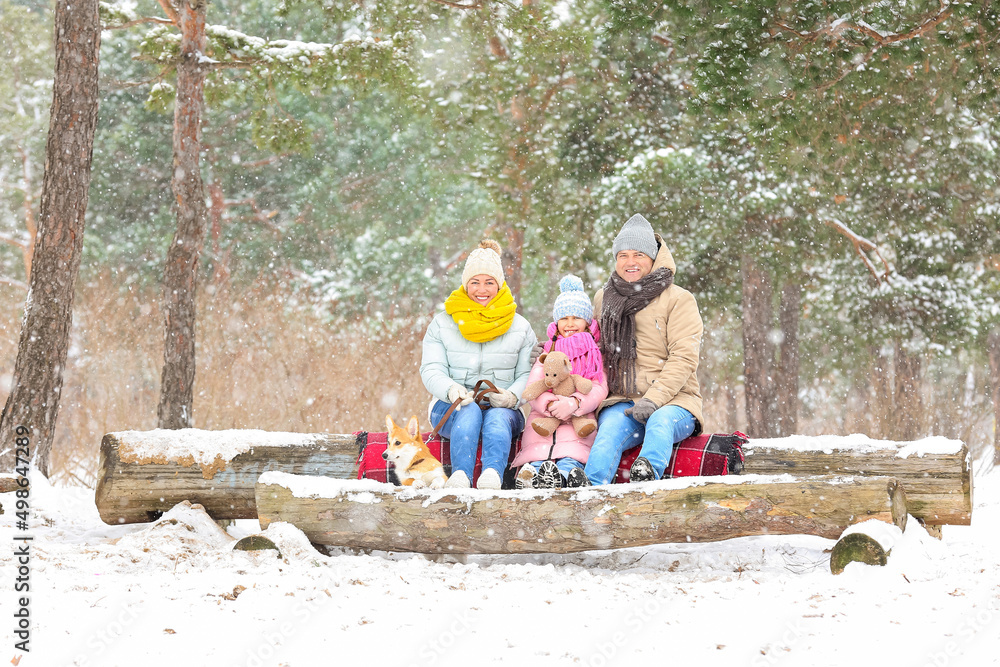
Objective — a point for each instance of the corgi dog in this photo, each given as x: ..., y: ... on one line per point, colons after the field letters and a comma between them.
x: 415, y: 465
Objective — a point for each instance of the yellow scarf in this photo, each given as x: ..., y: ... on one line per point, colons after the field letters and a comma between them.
x: 481, y: 324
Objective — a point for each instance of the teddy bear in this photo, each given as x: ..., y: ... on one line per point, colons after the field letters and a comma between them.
x: 560, y: 380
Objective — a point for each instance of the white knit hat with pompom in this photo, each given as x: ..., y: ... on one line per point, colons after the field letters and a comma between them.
x: 484, y: 260
x: 572, y: 301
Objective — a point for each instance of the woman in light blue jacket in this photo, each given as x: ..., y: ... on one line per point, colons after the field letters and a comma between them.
x: 479, y: 336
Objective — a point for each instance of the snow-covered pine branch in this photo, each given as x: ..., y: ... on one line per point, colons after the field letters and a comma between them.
x: 862, y: 246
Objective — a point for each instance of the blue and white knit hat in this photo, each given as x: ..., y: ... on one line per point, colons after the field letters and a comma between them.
x: 636, y: 234
x: 572, y: 301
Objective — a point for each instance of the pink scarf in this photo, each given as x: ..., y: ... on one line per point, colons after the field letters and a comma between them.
x: 582, y: 350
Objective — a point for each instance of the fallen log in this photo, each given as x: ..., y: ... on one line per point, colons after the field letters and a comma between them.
x: 369, y: 515
x: 145, y: 473
x: 8, y: 483
x: 936, y: 472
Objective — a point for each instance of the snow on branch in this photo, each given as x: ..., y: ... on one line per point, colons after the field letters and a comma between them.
x: 119, y: 17
x: 171, y: 11
x: 247, y: 51
x: 862, y: 246
x: 838, y: 29
x: 476, y: 4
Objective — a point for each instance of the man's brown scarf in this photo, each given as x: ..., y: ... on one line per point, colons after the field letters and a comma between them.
x: 622, y: 300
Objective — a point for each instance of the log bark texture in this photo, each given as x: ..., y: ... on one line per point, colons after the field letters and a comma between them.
x: 938, y: 486
x: 135, y: 491
x: 43, y: 346
x: 571, y: 520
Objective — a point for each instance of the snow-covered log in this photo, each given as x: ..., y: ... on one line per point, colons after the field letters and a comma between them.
x: 145, y: 473
x: 936, y: 472
x: 369, y: 515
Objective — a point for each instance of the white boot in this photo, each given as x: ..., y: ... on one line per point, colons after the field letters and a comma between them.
x: 525, y: 477
x: 458, y: 480
x: 489, y: 479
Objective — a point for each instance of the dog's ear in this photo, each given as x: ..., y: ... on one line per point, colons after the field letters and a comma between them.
x: 413, y: 428
x: 389, y: 425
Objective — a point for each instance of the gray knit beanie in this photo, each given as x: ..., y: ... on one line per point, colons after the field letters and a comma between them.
x: 636, y: 234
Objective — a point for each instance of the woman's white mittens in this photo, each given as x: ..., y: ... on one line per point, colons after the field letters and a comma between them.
x: 504, y: 399
x: 457, y: 391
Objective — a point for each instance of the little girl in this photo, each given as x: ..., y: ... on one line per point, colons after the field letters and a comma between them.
x: 546, y: 461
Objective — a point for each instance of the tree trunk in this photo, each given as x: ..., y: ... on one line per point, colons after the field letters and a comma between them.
x: 42, y: 349
x: 907, y: 403
x: 993, y: 347
x: 180, y: 278
x: 512, y: 257
x: 758, y: 352
x: 788, y: 367
x: 732, y: 407
x: 368, y: 515
x: 881, y: 407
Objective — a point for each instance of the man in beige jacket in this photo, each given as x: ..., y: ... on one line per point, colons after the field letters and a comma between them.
x: 651, y: 341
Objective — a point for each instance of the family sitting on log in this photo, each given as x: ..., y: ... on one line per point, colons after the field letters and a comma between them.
x: 634, y: 354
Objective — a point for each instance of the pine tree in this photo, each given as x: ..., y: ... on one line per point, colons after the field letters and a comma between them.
x: 33, y: 402
x: 201, y: 51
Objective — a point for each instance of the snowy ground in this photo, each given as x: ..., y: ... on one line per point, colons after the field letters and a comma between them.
x: 174, y: 593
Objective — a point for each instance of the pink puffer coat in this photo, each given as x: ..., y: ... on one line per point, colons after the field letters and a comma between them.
x: 564, y: 441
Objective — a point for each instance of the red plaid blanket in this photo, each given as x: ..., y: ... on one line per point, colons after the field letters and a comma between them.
x: 715, y: 454
x: 371, y: 465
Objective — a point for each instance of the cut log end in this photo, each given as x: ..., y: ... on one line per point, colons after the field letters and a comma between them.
x: 256, y: 543
x: 897, y: 501
x: 856, y: 548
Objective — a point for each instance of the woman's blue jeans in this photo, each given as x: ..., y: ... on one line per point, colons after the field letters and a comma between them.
x: 465, y: 426
x: 617, y: 432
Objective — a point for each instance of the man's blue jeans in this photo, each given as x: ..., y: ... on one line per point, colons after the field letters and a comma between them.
x: 617, y: 432
x: 496, y: 426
